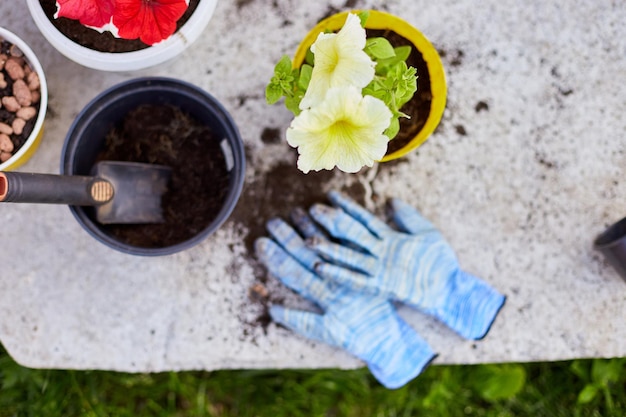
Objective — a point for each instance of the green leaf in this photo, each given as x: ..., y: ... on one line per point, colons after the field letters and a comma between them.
x: 283, y: 67
x: 587, y: 394
x: 378, y: 89
x: 439, y: 393
x: 393, y: 129
x: 292, y: 103
x: 309, y: 57
x: 379, y: 48
x: 396, y: 88
x: 498, y: 382
x: 305, y: 76
x: 405, y: 83
x: 273, y: 93
x: 580, y: 368
x: 606, y: 372
x: 282, y: 83
x: 401, y: 54
x: 363, y: 16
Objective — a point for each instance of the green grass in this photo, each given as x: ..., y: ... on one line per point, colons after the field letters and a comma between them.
x: 572, y: 388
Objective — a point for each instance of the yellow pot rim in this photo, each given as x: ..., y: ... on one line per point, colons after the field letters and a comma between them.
x: 378, y: 20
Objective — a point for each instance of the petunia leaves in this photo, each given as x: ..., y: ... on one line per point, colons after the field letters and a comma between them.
x: 379, y: 48
x: 288, y: 82
x: 395, y: 87
x: 401, y: 54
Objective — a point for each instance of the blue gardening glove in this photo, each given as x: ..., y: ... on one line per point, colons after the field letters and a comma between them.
x: 414, y: 265
x: 364, y: 325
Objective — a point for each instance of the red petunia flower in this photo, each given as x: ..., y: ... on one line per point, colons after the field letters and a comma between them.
x: 96, y: 13
x: 149, y: 20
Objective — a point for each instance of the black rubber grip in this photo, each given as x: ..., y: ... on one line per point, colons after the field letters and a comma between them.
x: 21, y: 187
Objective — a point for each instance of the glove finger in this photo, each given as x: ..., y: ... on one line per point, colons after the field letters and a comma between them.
x: 342, y: 226
x: 308, y: 324
x: 408, y: 355
x: 348, y: 278
x: 291, y: 241
x: 373, y: 223
x: 284, y: 267
x: 305, y: 224
x: 344, y: 256
x: 408, y: 219
x: 471, y: 306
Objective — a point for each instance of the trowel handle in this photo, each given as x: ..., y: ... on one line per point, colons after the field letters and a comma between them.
x: 22, y: 187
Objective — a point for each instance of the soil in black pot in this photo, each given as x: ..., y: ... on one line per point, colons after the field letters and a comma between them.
x: 162, y: 134
x: 103, y: 42
x: 418, y: 108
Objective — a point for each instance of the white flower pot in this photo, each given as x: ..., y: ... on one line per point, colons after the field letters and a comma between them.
x: 125, y: 61
x: 34, y: 139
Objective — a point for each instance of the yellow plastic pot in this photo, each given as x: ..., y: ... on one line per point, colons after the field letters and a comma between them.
x: 32, y: 143
x: 378, y: 20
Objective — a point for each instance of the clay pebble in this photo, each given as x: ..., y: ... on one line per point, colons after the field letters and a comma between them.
x: 20, y: 91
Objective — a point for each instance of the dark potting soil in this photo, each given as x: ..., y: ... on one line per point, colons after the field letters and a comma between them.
x: 418, y: 107
x: 103, y: 42
x: 274, y: 194
x: 277, y: 193
x: 162, y: 134
x: 7, y: 116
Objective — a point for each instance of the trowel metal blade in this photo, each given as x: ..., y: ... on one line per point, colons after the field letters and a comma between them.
x: 138, y: 191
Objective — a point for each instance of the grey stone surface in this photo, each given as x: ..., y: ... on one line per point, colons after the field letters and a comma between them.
x: 519, y: 189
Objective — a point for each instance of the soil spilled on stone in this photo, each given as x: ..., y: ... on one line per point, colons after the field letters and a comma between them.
x: 277, y: 193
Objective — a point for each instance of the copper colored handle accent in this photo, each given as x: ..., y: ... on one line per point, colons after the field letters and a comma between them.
x: 3, y: 186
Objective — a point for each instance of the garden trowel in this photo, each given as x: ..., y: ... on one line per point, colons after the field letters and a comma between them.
x: 121, y: 192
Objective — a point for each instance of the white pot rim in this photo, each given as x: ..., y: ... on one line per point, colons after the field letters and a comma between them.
x: 125, y: 61
x: 32, y: 60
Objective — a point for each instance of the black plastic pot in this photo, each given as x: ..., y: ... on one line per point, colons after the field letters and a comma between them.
x: 86, y: 139
x: 612, y: 244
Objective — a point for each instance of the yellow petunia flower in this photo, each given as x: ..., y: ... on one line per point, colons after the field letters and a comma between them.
x: 339, y: 61
x: 344, y: 130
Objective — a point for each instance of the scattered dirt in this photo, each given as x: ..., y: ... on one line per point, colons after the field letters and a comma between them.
x: 103, y: 42
x: 455, y: 57
x: 348, y: 5
x: 481, y: 106
x: 271, y: 135
x: 276, y: 193
x: 162, y: 134
x: 272, y: 194
x: 243, y: 3
x: 351, y: 4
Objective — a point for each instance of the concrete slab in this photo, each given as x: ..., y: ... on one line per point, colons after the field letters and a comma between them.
x: 520, y: 185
